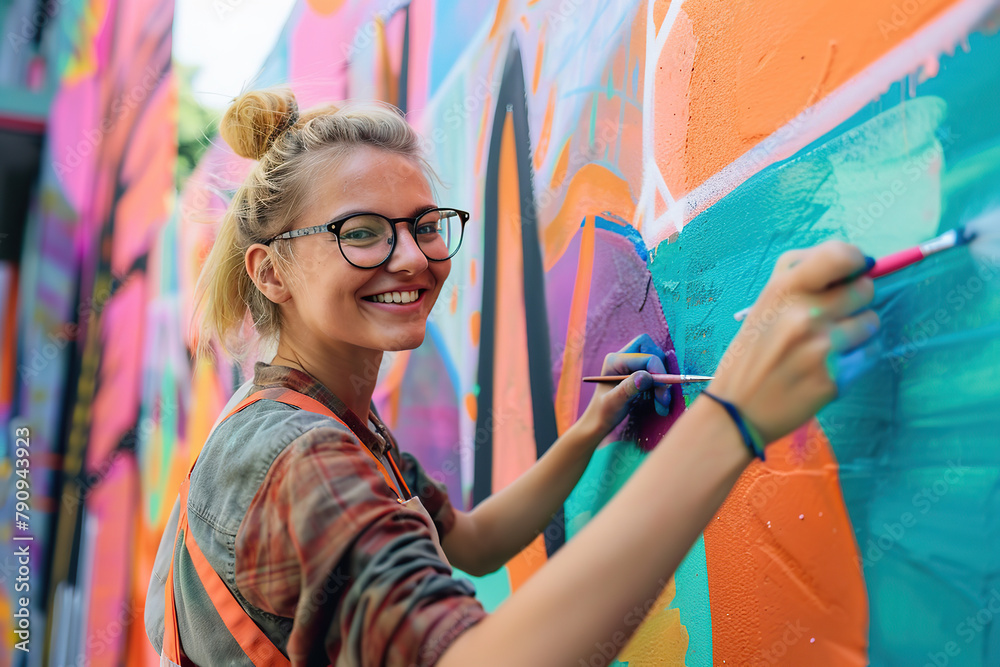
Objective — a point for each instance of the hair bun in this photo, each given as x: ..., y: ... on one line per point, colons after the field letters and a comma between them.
x: 256, y: 118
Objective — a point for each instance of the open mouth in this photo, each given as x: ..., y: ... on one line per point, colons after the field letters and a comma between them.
x: 396, y: 297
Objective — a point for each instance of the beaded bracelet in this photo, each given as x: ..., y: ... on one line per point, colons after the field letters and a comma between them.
x: 750, y: 437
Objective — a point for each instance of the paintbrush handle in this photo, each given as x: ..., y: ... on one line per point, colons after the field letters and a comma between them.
x: 658, y: 378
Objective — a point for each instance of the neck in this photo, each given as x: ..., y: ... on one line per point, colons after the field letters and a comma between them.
x: 349, y: 374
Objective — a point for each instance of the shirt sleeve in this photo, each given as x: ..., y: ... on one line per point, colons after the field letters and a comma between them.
x: 326, y: 543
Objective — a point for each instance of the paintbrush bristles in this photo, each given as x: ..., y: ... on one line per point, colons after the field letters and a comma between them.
x: 984, y: 231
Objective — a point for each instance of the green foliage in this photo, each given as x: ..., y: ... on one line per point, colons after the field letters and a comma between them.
x: 196, y: 125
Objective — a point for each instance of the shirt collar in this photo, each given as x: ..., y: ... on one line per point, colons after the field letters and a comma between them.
x: 268, y: 375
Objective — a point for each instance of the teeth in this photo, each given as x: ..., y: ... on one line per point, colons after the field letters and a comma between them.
x: 396, y: 297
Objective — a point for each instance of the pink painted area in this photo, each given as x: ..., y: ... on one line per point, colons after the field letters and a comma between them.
x: 111, y: 506
x: 116, y: 405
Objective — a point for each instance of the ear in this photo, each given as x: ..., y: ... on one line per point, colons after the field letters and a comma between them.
x: 265, y: 275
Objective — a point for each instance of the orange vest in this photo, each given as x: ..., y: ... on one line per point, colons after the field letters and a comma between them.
x: 251, y: 639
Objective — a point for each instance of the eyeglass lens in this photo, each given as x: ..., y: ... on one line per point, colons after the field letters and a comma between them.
x: 367, y: 239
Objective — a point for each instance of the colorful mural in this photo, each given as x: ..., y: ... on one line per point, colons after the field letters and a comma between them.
x: 631, y: 167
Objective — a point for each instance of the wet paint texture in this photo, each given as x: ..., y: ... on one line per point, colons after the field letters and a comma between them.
x: 915, y: 435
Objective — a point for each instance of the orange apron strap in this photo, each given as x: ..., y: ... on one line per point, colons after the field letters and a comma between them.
x: 309, y: 404
x: 247, y: 634
x: 171, y: 635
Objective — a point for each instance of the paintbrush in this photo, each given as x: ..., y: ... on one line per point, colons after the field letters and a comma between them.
x: 981, y: 235
x: 658, y: 378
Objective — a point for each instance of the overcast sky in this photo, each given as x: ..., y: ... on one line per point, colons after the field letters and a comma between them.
x: 228, y: 39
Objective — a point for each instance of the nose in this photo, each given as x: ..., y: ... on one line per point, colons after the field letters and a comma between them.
x: 407, y: 255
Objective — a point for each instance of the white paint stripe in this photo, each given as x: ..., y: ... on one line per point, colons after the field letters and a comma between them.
x: 948, y: 29
x: 652, y: 178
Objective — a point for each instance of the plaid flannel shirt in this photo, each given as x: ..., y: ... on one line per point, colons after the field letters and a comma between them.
x: 321, y: 554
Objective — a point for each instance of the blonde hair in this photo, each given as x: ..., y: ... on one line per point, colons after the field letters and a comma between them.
x: 291, y: 150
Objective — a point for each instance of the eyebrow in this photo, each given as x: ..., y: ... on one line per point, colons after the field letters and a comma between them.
x: 417, y: 211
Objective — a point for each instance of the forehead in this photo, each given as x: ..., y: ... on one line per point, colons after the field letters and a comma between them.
x: 370, y: 177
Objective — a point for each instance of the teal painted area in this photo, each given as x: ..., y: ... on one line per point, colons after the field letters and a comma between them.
x: 917, y: 436
x: 609, y: 468
x: 693, y: 602
x: 491, y: 589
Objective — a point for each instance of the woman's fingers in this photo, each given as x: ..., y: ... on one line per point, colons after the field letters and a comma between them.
x: 843, y: 300
x: 621, y: 363
x: 825, y: 265
x: 852, y: 332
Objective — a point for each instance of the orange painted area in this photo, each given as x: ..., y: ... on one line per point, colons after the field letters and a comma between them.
x: 500, y: 20
x: 661, y: 639
x: 562, y: 163
x: 660, y: 8
x: 767, y: 62
x: 453, y: 302
x: 539, y: 57
x: 325, y: 7
x: 470, y: 405
x: 671, y: 113
x: 522, y: 566
x: 390, y: 82
x: 545, y: 136
x: 474, y: 328
x: 472, y: 271
x: 513, y: 426
x: 593, y: 189
x: 487, y: 105
x: 781, y: 551
x: 567, y: 401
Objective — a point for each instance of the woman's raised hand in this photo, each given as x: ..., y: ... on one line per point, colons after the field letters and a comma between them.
x: 638, y: 360
x: 782, y: 366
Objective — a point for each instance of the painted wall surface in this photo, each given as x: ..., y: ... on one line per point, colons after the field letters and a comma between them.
x: 79, y: 305
x: 635, y: 167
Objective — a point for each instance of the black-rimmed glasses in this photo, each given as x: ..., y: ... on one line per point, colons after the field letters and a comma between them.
x: 367, y: 239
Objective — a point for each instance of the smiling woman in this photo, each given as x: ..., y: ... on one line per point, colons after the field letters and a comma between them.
x: 303, y: 536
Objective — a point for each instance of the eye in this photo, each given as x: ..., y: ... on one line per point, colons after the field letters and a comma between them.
x: 429, y: 227
x: 359, y: 234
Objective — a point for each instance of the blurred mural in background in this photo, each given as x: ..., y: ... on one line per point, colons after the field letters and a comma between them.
x: 631, y: 167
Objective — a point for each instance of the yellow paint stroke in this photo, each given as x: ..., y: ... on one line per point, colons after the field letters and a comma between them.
x: 567, y: 401
x: 593, y: 190
x: 545, y: 137
x: 661, y: 639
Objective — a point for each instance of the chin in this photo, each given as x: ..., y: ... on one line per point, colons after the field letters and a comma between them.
x: 409, y: 341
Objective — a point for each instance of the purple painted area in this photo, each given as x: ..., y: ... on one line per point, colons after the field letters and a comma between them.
x: 559, y: 282
x: 623, y: 304
x: 428, y: 419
